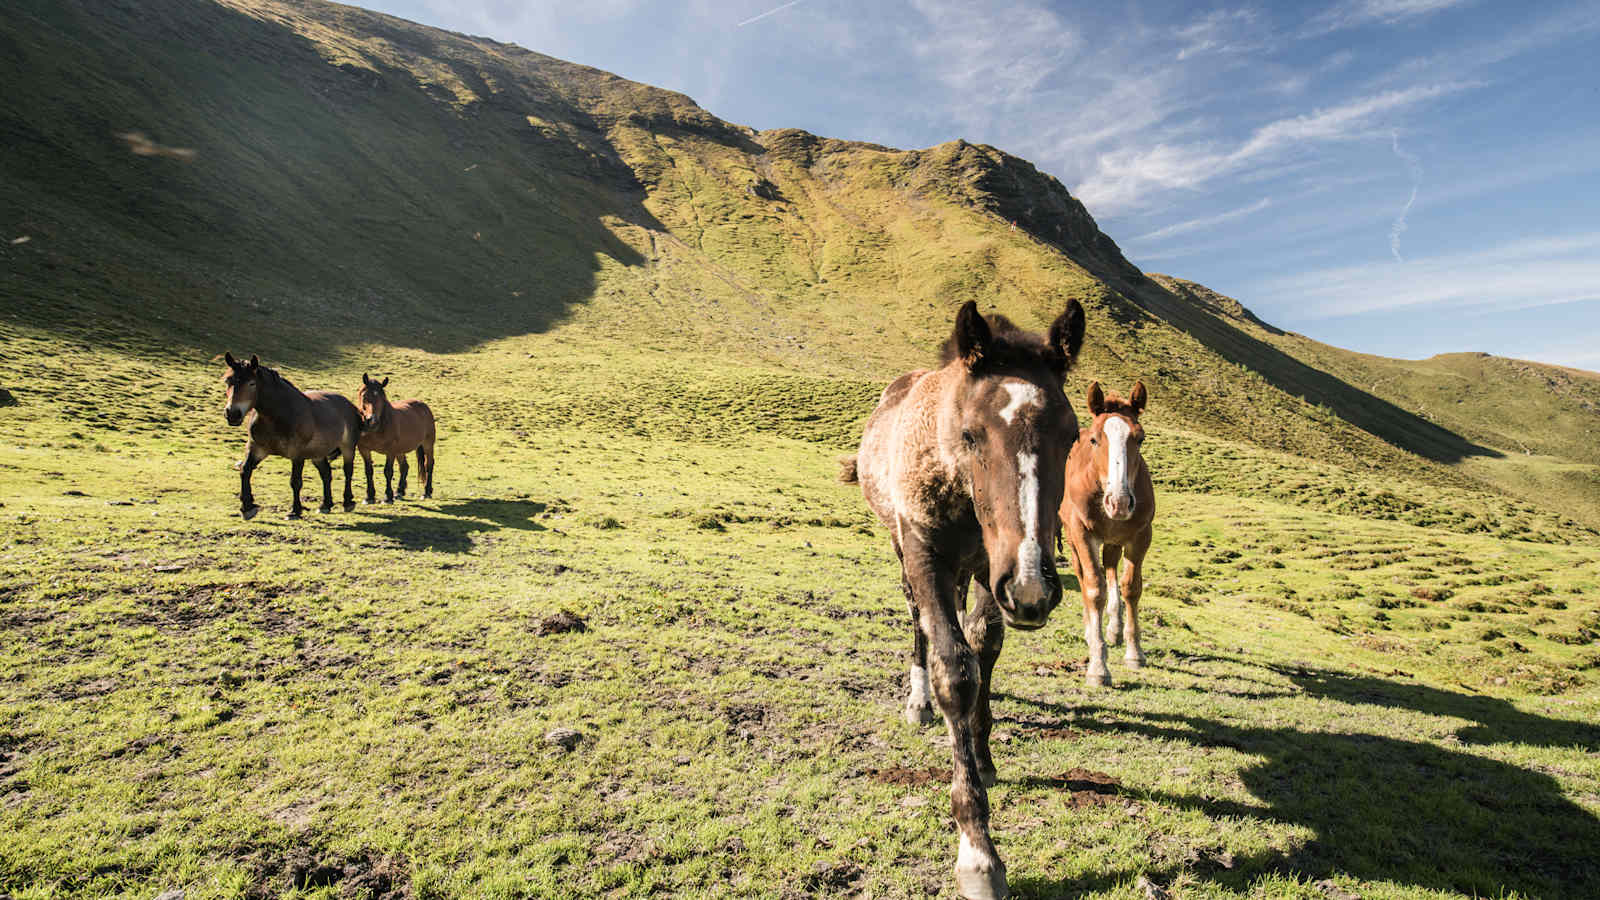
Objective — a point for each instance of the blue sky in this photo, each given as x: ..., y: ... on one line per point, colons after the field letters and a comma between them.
x: 1402, y: 177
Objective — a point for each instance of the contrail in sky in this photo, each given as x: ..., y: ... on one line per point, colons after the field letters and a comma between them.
x: 1414, y: 166
x: 770, y: 12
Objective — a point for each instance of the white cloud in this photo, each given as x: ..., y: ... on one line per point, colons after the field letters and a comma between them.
x: 1516, y: 275
x: 1124, y: 178
x: 1356, y: 13
x: 1414, y: 167
x: 1220, y: 31
x: 1206, y: 221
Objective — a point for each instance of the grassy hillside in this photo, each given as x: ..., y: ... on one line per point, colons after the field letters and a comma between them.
x: 358, y: 178
x: 1541, y: 422
x: 648, y: 334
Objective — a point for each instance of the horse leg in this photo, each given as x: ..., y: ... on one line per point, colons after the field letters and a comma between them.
x: 366, y: 461
x: 247, y: 500
x: 325, y: 469
x: 349, y: 454
x: 1086, y: 560
x: 985, y: 630
x: 918, y: 710
x: 388, y: 478
x: 425, y: 470
x: 953, y: 671
x: 1132, y: 588
x: 404, y: 465
x: 297, y: 468
x: 1110, y: 555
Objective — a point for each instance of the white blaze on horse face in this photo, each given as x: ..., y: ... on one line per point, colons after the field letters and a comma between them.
x: 1028, y: 585
x: 1022, y: 394
x: 1116, y: 491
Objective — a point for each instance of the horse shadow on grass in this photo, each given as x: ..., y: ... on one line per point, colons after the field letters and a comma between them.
x: 1381, y: 808
x: 448, y: 527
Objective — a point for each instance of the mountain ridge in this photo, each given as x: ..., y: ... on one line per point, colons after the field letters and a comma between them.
x: 358, y: 179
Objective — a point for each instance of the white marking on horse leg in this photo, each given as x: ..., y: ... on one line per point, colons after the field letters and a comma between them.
x: 1113, y: 609
x: 918, y: 711
x: 1022, y: 394
x: 979, y: 876
x: 1093, y: 629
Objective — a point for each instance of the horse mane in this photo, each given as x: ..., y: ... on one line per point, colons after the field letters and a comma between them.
x: 1009, y: 348
x: 274, y: 375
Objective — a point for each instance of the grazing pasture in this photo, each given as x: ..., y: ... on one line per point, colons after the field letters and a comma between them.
x: 1356, y: 685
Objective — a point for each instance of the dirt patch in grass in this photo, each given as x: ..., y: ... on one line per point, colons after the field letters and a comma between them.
x: 1085, y: 788
x: 365, y: 875
x: 560, y: 623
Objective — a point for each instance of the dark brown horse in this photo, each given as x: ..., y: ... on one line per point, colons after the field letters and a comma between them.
x: 964, y: 465
x: 1106, y: 515
x: 395, y: 429
x: 315, y: 426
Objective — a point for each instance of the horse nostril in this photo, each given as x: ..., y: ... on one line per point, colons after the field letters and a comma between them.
x: 1002, y: 593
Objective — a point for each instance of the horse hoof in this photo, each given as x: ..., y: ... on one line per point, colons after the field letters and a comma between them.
x: 249, y: 512
x: 388, y: 499
x: 371, y: 500
x: 1098, y: 679
x: 427, y: 495
x: 919, y: 715
x: 1134, y: 662
x: 985, y: 880
x: 349, y: 506
x: 293, y: 515
x: 325, y: 509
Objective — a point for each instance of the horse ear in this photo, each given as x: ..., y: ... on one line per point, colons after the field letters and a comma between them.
x: 972, y: 335
x: 254, y: 362
x: 1097, y: 399
x: 385, y: 383
x: 1138, y: 398
x: 1066, y: 334
x: 228, y: 358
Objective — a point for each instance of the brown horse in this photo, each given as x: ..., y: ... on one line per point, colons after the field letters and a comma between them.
x: 395, y: 430
x: 963, y: 464
x: 315, y: 426
x: 1107, y: 512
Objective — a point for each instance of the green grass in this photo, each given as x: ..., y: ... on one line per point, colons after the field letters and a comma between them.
x: 648, y: 334
x: 1401, y: 708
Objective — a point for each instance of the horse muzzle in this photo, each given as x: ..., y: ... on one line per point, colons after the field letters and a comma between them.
x: 1026, y: 604
x: 234, y: 416
x: 1118, y: 507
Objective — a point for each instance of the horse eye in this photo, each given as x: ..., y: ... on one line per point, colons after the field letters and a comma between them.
x: 968, y: 438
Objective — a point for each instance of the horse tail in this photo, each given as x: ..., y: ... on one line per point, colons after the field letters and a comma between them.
x: 847, y: 470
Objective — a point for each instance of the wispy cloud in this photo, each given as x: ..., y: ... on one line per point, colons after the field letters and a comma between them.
x: 1515, y: 275
x: 1000, y: 52
x: 1219, y: 31
x: 1206, y: 221
x: 770, y: 12
x: 1356, y: 13
x: 1123, y: 178
x: 1414, y: 167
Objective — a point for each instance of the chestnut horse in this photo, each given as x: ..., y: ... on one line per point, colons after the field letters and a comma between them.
x: 315, y: 426
x: 963, y: 465
x: 1106, y: 515
x: 395, y: 430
